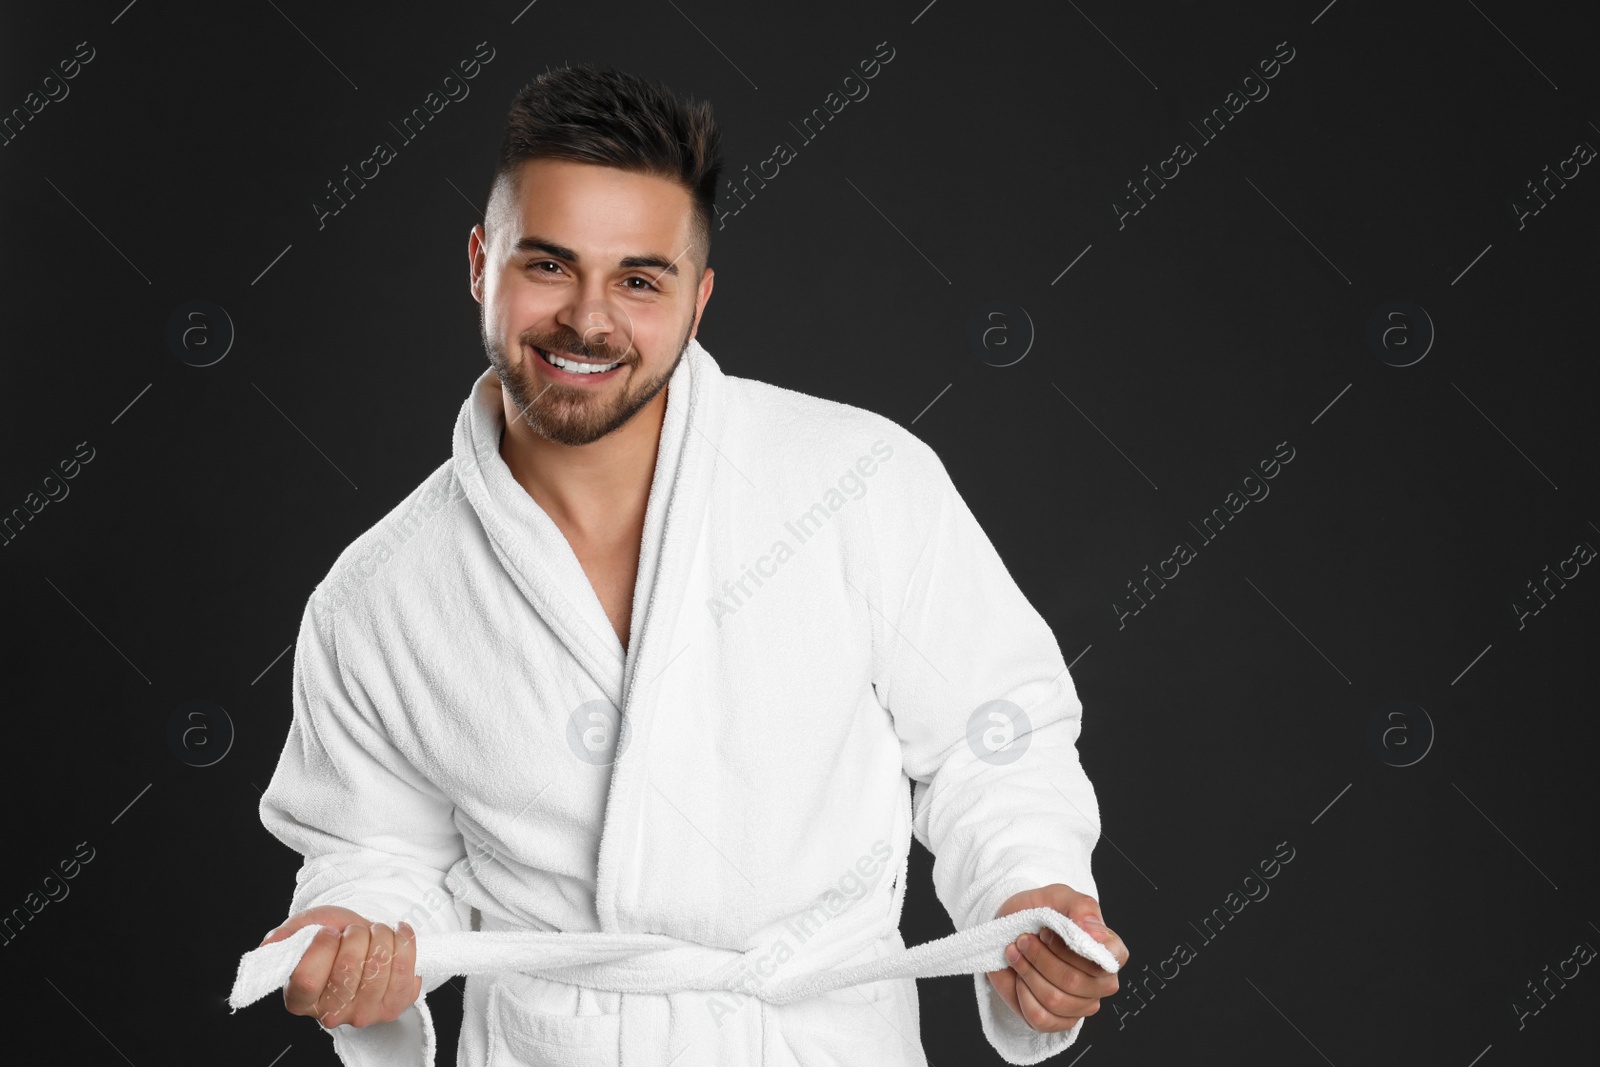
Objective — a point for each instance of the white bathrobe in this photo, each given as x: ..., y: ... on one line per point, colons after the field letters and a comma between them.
x: 818, y: 618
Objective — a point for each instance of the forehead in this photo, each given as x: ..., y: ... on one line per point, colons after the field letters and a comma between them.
x: 598, y: 209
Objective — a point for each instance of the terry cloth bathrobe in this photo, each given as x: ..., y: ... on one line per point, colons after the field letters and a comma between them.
x: 827, y: 655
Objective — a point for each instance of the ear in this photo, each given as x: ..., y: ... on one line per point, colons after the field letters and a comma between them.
x: 703, y: 295
x: 477, y: 261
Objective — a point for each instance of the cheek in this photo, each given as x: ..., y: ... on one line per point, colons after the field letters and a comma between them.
x: 648, y: 325
x: 659, y: 326
x: 519, y: 307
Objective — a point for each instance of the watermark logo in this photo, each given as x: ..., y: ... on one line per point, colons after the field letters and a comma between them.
x: 200, y: 733
x: 604, y: 323
x: 591, y: 728
x: 1000, y: 333
x: 200, y: 333
x: 998, y: 732
x: 1400, y: 733
x: 1400, y: 333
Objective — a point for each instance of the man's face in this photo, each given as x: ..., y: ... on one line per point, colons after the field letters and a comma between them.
x: 590, y: 264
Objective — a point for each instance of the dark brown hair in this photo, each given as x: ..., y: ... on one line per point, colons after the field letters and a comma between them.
x: 616, y: 120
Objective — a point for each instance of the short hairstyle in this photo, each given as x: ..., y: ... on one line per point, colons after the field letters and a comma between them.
x: 616, y: 120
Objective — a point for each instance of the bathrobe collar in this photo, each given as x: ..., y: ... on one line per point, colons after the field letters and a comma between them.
x: 537, y: 555
x: 539, y: 560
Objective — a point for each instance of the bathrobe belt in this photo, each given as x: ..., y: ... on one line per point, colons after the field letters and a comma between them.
x: 657, y: 963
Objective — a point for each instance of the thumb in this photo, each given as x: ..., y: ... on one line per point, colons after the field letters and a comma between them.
x: 330, y: 915
x: 284, y: 929
x: 296, y: 922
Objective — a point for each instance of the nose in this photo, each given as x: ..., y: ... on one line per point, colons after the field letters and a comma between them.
x: 600, y: 322
x: 594, y: 323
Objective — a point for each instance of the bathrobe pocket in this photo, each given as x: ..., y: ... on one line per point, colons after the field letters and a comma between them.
x: 523, y: 1031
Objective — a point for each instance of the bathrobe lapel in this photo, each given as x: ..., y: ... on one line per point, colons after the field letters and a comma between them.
x: 530, y: 546
x: 539, y: 560
x: 673, y: 532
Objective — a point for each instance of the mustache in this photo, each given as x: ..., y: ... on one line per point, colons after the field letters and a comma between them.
x: 571, y: 344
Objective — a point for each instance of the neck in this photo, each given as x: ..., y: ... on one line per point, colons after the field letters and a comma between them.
x: 596, y: 491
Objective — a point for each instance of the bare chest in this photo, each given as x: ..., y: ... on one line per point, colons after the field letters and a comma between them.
x: 612, y: 571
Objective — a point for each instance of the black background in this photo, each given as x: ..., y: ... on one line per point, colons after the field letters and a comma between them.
x: 1232, y: 713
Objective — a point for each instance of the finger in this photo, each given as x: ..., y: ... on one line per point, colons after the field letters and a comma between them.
x: 1052, y: 998
x: 404, y: 982
x: 1060, y: 970
x: 305, y: 985
x: 1085, y: 978
x: 338, y: 997
x: 1095, y: 927
x: 1064, y: 953
x: 288, y: 927
x: 1036, y: 1015
x: 1114, y: 945
x: 368, y: 1006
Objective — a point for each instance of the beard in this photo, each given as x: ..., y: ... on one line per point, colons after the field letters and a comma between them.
x: 575, y: 414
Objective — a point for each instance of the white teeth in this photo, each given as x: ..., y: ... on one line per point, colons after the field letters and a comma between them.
x: 574, y: 366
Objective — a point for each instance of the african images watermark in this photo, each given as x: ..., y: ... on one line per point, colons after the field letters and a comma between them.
x: 1255, y: 490
x: 393, y: 533
x: 851, y: 485
x: 55, y: 490
x: 1255, y: 890
x: 850, y: 887
x: 1400, y: 332
x: 200, y: 332
x: 1000, y: 333
x: 1564, y: 972
x: 200, y: 733
x: 1400, y: 732
x: 855, y: 89
x: 55, y: 90
x: 1565, y: 571
x: 53, y: 888
x: 1255, y: 90
x: 411, y: 126
x: 998, y: 732
x: 1541, y: 191
x: 597, y: 734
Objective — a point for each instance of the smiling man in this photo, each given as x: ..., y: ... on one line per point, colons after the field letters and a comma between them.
x: 529, y: 714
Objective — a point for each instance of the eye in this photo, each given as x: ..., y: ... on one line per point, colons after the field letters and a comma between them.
x: 647, y: 284
x: 535, y: 264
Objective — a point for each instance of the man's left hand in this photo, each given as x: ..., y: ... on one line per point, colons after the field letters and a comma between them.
x: 1048, y: 984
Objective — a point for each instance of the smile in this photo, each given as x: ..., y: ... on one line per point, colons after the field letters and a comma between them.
x: 575, y: 367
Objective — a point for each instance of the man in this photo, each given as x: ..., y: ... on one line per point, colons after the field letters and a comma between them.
x: 657, y: 652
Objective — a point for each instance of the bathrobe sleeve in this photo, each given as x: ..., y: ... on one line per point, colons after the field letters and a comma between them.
x: 955, y: 633
x: 376, y: 836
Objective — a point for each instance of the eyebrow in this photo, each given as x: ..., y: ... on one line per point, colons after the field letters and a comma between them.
x: 534, y: 243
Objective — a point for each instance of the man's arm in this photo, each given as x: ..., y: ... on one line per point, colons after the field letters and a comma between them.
x: 988, y: 719
x: 377, y: 837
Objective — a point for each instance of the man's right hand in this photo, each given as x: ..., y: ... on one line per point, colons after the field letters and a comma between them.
x: 355, y: 971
